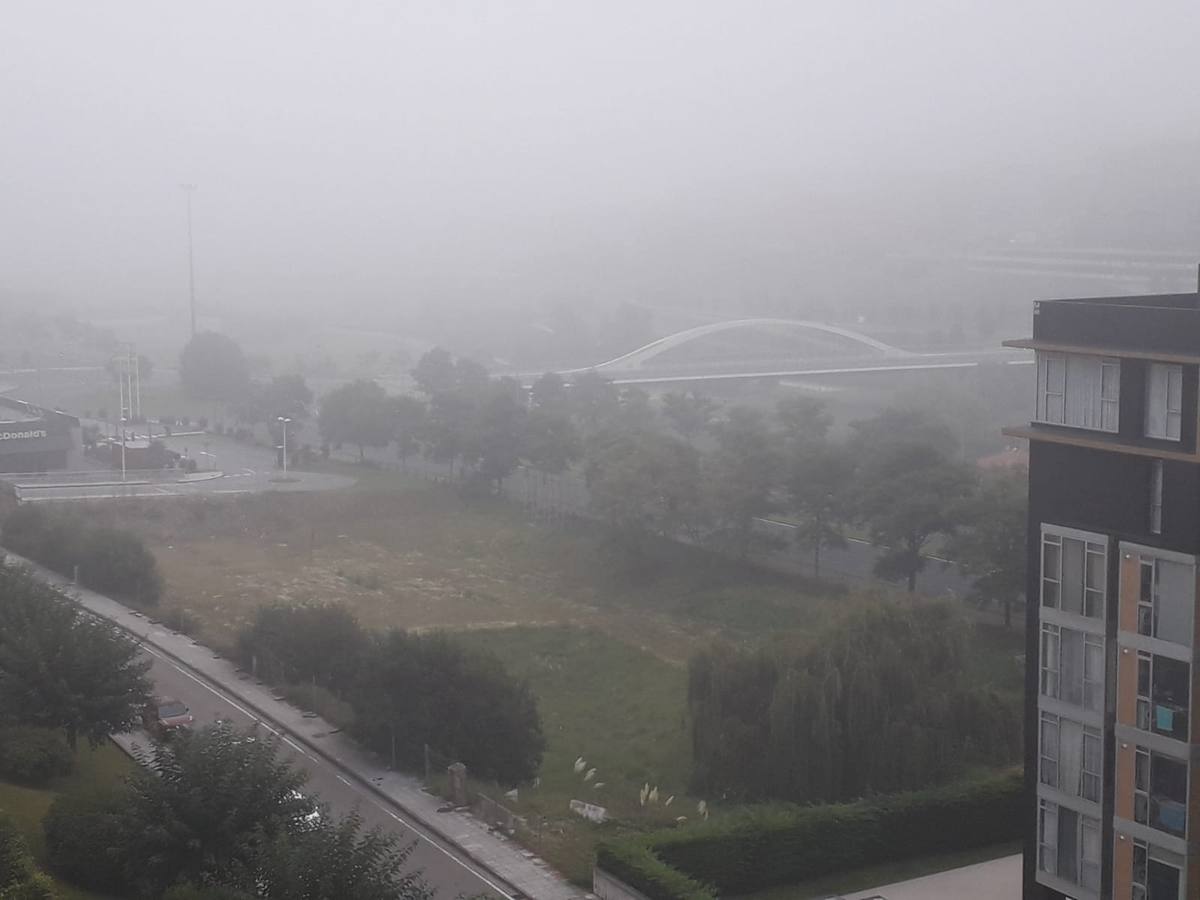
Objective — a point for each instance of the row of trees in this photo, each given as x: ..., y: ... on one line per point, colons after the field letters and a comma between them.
x: 875, y: 706
x: 686, y: 466
x: 110, y: 560
x: 405, y: 690
x: 683, y: 466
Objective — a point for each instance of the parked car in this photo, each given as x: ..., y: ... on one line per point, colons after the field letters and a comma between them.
x: 165, y: 715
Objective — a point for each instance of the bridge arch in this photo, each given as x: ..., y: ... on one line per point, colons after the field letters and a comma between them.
x: 636, y: 358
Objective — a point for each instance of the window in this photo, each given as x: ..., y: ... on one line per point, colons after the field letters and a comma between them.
x: 1163, y: 695
x: 1160, y: 792
x: 1157, y: 874
x: 1166, y: 597
x: 1164, y: 401
x: 1156, y: 496
x: 1082, y: 391
x: 1072, y: 667
x: 1069, y: 845
x: 1070, y: 757
x: 1073, y: 575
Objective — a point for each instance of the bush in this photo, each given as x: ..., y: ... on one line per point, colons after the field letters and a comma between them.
x: 33, y: 755
x: 110, y: 560
x: 85, y: 840
x: 19, y: 877
x: 765, y: 849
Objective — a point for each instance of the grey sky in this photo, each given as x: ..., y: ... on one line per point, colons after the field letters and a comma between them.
x: 388, y: 152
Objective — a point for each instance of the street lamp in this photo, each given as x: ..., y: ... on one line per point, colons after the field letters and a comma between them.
x: 284, y: 422
x: 123, y: 421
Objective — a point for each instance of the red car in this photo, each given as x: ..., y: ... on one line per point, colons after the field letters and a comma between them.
x: 165, y: 715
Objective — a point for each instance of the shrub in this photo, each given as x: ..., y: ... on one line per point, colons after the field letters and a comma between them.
x: 33, y: 755
x: 19, y: 877
x: 110, y: 560
x: 85, y: 840
x: 781, y: 846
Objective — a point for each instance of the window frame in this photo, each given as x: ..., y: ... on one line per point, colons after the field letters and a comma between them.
x: 1172, y: 410
x: 1103, y: 412
x: 1143, y: 789
x: 1094, y: 598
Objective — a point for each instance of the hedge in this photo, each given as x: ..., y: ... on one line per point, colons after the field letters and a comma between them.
x: 32, y: 756
x: 782, y: 846
x: 110, y: 560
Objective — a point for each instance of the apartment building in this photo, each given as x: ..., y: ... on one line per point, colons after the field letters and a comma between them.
x: 1114, y: 533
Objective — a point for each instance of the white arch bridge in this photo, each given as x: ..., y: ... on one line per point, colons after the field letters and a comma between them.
x: 636, y: 359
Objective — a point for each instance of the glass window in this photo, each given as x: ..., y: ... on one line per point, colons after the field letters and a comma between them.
x: 1050, y: 664
x: 1082, y: 391
x: 1049, y: 756
x: 1168, y: 794
x: 1163, y: 695
x: 1166, y: 599
x: 1093, y: 672
x: 1090, y: 785
x: 1164, y: 401
x: 1048, y: 837
x: 1074, y: 575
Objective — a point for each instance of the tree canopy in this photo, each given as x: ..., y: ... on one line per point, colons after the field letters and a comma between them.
x: 359, y: 413
x: 213, y: 367
x: 62, y: 669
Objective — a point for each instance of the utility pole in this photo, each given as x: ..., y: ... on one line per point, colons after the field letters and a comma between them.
x: 189, y: 189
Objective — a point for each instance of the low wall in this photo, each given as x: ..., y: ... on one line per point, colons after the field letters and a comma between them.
x: 609, y: 887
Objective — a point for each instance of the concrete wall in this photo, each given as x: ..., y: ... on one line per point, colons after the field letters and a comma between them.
x: 609, y: 887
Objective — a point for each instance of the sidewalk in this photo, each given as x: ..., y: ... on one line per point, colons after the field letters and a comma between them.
x: 505, y: 859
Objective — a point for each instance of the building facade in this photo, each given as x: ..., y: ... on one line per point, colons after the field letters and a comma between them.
x: 1114, y: 533
x: 33, y: 439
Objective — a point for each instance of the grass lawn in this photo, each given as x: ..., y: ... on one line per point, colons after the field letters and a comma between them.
x: 621, y: 709
x: 28, y: 806
x: 878, y: 876
x: 605, y: 653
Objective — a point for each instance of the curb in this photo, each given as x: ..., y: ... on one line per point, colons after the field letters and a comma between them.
x: 319, y: 751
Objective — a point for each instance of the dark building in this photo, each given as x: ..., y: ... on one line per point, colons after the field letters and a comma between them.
x: 33, y: 439
x: 1114, y: 533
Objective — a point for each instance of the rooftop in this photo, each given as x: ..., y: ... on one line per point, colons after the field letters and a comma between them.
x: 15, y: 412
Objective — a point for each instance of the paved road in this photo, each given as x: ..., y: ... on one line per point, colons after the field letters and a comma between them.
x: 996, y: 879
x: 245, y: 469
x: 447, y: 874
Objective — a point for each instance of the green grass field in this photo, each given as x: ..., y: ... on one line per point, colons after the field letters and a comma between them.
x: 28, y: 806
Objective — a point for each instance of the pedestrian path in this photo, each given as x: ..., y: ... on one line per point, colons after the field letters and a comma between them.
x: 461, y: 832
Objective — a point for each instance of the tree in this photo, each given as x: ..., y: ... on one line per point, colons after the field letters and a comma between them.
x: 740, y: 476
x: 875, y: 704
x: 804, y: 420
x: 419, y: 689
x: 643, y: 483
x: 213, y: 367
x: 909, y: 493
x: 549, y: 394
x: 688, y: 412
x: 410, y: 417
x: 341, y: 859
x: 357, y: 413
x: 820, y: 489
x: 434, y: 372
x: 322, y: 643
x: 286, y: 395
x: 992, y: 547
x: 550, y: 441
x: 594, y: 400
x: 60, y: 669
x: 498, y: 431
x: 212, y: 798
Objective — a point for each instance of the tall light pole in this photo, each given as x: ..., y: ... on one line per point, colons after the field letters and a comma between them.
x: 123, y: 420
x: 189, y: 189
x: 284, y: 422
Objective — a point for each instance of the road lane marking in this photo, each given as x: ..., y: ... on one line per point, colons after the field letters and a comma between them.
x: 424, y: 831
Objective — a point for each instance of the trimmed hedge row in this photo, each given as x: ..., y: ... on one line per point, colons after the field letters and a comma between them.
x: 110, y: 560
x: 773, y: 847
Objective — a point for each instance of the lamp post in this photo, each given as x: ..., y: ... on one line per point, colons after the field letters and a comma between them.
x: 123, y: 421
x: 284, y: 422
